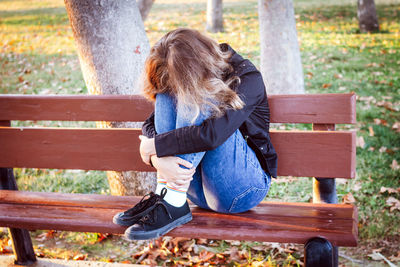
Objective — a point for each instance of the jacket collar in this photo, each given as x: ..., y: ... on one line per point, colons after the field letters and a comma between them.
x: 240, y: 65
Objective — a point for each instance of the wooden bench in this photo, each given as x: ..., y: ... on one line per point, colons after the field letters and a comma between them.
x: 322, y: 153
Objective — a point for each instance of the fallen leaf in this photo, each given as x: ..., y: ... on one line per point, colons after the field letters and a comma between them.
x: 396, y: 126
x: 380, y: 121
x: 6, y: 250
x: 349, y: 198
x: 371, y: 131
x: 326, y: 85
x: 394, y: 257
x: 382, y: 149
x: 387, y: 105
x: 389, y: 190
x: 357, y: 187
x: 46, y: 235
x: 233, y: 242
x: 376, y: 256
x: 79, y: 257
x: 360, y: 142
x: 394, y: 165
x: 39, y: 254
x: 393, y: 203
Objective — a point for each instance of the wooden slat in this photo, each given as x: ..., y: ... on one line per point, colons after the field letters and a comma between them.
x: 86, y: 149
x: 315, y: 154
x: 269, y: 221
x: 75, y: 107
x: 317, y: 108
x: 319, y: 154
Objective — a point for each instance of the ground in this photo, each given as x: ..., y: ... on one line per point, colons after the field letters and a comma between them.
x: 38, y: 56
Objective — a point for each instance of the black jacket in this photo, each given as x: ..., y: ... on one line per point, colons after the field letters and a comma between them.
x: 252, y: 121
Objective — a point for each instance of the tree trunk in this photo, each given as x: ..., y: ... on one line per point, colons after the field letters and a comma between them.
x: 280, y: 54
x: 367, y: 17
x: 144, y: 7
x: 214, y: 16
x: 112, y: 47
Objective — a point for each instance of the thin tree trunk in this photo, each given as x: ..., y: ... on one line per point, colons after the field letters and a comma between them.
x: 280, y: 54
x: 112, y: 47
x: 144, y: 7
x: 367, y: 17
x: 214, y: 16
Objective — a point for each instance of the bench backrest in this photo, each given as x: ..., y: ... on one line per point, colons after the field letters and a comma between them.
x: 319, y: 153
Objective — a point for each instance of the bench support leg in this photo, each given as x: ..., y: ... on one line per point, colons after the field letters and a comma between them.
x: 21, y: 240
x: 319, y: 252
x: 324, y: 191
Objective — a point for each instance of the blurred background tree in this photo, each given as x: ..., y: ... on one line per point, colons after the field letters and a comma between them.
x: 367, y: 17
x: 112, y: 46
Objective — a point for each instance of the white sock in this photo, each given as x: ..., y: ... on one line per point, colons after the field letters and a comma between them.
x: 161, y: 183
x: 175, y: 196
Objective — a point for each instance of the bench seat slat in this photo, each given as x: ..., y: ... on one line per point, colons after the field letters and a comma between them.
x: 269, y: 221
x: 301, y: 153
x: 315, y: 108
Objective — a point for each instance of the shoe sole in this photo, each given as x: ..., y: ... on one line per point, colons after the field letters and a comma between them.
x: 158, y: 232
x: 132, y: 221
x: 117, y: 220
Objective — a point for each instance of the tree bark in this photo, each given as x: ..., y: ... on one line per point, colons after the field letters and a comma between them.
x: 280, y: 54
x: 144, y: 7
x: 214, y: 16
x: 112, y: 47
x: 367, y: 17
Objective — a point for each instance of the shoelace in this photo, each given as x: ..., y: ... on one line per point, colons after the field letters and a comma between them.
x: 142, y: 203
x: 151, y: 217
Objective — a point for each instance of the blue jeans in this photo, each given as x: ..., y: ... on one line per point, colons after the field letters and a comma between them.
x: 228, y: 179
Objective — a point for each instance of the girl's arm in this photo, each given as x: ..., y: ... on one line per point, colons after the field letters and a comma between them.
x: 212, y: 132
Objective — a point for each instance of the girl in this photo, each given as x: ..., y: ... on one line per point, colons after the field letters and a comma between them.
x: 208, y: 137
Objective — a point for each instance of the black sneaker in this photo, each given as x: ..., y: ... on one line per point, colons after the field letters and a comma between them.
x: 161, y: 219
x: 132, y: 215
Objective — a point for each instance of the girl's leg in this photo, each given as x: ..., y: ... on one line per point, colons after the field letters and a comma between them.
x: 232, y: 178
x: 167, y: 118
x: 229, y: 178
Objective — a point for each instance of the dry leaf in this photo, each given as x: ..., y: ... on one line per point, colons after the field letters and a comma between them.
x: 326, y: 85
x: 393, y: 203
x: 357, y: 187
x: 394, y: 165
x: 382, y: 149
x: 376, y: 256
x: 79, y: 257
x: 396, y: 126
x: 371, y: 131
x: 6, y: 250
x: 380, y: 121
x: 360, y: 142
x: 349, y: 198
x: 395, y: 258
x: 389, y: 190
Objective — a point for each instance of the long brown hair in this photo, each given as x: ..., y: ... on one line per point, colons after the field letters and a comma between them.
x: 191, y: 67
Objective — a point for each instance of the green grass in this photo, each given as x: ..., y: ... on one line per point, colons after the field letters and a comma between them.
x: 38, y: 56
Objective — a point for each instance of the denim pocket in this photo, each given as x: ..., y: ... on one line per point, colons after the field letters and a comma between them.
x: 250, y: 197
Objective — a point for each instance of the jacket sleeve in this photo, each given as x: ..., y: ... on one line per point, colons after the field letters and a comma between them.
x: 213, y: 132
x: 148, y: 127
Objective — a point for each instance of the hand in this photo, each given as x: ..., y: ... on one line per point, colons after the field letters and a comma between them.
x: 147, y: 148
x: 169, y: 168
